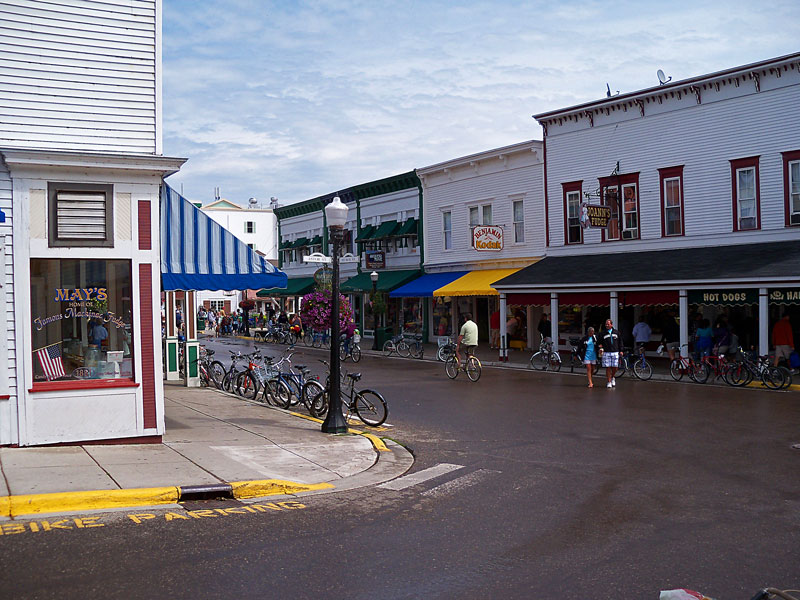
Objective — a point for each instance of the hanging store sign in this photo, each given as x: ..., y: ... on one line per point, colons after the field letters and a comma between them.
x: 375, y: 259
x: 723, y: 296
x: 323, y: 276
x: 785, y: 296
x: 595, y: 216
x: 487, y: 238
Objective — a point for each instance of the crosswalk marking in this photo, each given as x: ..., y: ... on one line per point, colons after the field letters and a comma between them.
x: 407, y: 481
x: 459, y: 483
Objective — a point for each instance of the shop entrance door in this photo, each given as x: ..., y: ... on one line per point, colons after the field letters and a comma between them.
x: 482, y: 318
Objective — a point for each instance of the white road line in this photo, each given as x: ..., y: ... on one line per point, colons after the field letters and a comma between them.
x: 459, y: 483
x: 407, y: 481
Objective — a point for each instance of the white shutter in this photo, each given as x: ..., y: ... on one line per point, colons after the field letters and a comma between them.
x: 81, y: 215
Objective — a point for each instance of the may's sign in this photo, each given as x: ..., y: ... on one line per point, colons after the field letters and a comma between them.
x: 487, y: 238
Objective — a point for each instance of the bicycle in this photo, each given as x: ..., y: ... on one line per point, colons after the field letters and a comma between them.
x: 545, y: 357
x: 287, y: 388
x: 472, y: 367
x: 350, y: 348
x: 641, y: 368
x: 686, y: 365
x: 749, y: 368
x: 367, y: 405
x: 575, y: 359
x: 228, y: 381
x: 447, y: 347
x: 390, y: 346
x: 414, y: 347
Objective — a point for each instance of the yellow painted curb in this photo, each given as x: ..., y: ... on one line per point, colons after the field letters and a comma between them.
x: 92, y: 500
x: 757, y: 384
x: 273, y: 487
x: 376, y: 441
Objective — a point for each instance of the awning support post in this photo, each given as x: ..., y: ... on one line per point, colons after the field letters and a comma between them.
x: 171, y: 351
x: 614, y: 308
x: 191, y: 348
x: 554, y: 319
x: 683, y: 318
x: 763, y: 322
x: 503, y: 332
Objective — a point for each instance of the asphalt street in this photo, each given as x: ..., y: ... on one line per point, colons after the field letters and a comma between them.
x: 525, y: 485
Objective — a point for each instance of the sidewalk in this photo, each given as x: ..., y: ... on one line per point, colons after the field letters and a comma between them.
x: 215, y: 445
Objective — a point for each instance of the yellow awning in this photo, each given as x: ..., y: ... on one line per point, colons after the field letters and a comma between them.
x: 475, y: 283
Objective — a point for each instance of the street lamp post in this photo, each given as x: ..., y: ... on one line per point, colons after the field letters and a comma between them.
x: 336, y: 215
x: 374, y: 277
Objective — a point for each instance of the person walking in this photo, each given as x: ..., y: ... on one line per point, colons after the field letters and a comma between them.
x: 611, y: 343
x: 467, y: 338
x: 544, y: 328
x: 783, y: 339
x: 589, y: 348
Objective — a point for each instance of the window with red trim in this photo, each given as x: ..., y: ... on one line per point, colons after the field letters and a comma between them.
x: 573, y: 231
x: 671, y: 186
x: 745, y: 189
x: 624, y: 221
x: 791, y: 187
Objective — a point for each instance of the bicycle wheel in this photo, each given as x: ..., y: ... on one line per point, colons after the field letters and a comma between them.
x: 676, y: 369
x: 355, y: 353
x: 700, y: 372
x: 402, y: 349
x: 389, y: 347
x: 773, y: 377
x: 310, y: 389
x: 204, y: 378
x: 622, y: 368
x: 473, y: 368
x: 279, y: 393
x: 442, y: 354
x: 308, y: 339
x: 246, y: 385
x: 451, y: 367
x: 554, y: 362
x: 343, y: 353
x: 787, y: 378
x: 216, y: 371
x: 319, y: 404
x: 642, y: 369
x: 539, y: 361
x: 417, y: 350
x: 371, y: 407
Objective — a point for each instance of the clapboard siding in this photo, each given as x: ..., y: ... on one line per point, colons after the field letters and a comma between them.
x: 704, y: 138
x: 8, y: 364
x: 78, y: 75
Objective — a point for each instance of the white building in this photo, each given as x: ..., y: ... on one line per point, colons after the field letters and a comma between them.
x: 257, y: 227
x: 700, y: 181
x: 81, y: 165
x: 484, y: 219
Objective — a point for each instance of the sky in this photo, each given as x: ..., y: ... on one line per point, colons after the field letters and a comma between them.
x: 296, y: 99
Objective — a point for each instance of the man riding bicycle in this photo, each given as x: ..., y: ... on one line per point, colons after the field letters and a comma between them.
x: 467, y: 337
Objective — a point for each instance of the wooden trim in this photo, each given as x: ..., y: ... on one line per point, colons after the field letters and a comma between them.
x: 147, y: 345
x: 544, y: 169
x: 53, y: 241
x: 82, y: 384
x: 788, y: 157
x: 566, y: 188
x: 145, y: 226
x: 744, y: 163
x: 664, y: 174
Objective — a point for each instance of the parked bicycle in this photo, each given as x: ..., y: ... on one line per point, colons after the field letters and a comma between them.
x: 471, y: 366
x: 640, y: 366
x: 411, y: 344
x: 446, y: 348
x: 367, y: 405
x: 287, y: 386
x: 545, y: 358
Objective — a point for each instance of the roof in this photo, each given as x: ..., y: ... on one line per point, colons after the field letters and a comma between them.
x: 387, y: 281
x: 474, y: 283
x: 222, y: 204
x: 779, y: 261
x: 660, y: 89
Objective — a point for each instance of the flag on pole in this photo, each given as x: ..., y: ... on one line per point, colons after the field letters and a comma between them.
x: 50, y: 359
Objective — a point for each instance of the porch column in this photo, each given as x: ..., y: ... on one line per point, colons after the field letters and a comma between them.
x: 763, y: 322
x: 171, y: 342
x: 554, y: 319
x: 683, y: 321
x: 191, y: 348
x: 503, y: 342
x: 613, y: 306
x: 529, y: 317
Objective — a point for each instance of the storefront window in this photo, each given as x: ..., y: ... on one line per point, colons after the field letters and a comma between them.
x: 412, y: 315
x: 81, y: 314
x: 442, y: 315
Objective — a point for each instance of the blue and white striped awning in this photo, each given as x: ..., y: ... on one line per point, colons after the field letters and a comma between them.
x: 197, y: 253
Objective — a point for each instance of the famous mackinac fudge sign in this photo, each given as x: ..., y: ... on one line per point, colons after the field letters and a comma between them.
x: 487, y: 238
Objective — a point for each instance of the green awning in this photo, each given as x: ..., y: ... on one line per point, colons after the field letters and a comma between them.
x: 366, y: 234
x: 286, y: 244
x: 387, y: 281
x: 303, y: 241
x: 385, y: 230
x: 408, y: 228
x: 316, y: 241
x: 294, y: 287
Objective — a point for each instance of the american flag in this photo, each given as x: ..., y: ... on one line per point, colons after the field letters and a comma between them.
x: 50, y: 359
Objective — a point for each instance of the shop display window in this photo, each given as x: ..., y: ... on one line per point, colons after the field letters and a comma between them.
x: 81, y: 312
x: 442, y: 315
x: 412, y: 315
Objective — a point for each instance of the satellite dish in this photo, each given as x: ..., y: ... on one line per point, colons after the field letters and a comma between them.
x: 253, y: 201
x: 662, y: 79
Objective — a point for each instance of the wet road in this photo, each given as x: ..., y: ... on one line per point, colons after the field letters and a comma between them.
x: 548, y: 489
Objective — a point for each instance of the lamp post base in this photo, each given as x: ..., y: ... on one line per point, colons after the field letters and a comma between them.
x: 335, y: 422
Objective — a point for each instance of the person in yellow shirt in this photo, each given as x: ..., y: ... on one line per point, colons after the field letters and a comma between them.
x: 467, y: 337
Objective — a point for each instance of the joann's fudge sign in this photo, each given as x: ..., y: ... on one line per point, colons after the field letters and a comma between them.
x: 487, y: 238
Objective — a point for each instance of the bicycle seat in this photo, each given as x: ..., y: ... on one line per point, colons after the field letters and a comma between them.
x: 210, y: 352
x: 354, y: 376
x: 300, y: 367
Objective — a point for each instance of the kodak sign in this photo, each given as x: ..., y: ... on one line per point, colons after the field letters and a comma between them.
x: 487, y: 238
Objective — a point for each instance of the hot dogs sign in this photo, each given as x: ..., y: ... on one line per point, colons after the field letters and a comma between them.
x: 487, y: 238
